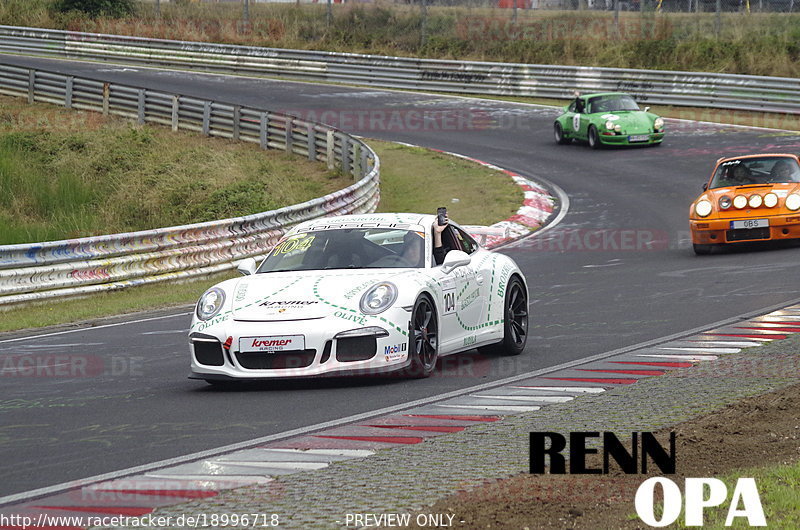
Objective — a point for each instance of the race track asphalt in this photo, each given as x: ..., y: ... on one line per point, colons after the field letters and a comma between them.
x: 617, y: 271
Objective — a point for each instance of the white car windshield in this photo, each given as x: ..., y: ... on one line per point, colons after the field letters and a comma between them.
x: 357, y: 248
x: 757, y: 170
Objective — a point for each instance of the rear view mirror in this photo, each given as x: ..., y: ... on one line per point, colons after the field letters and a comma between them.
x: 647, y: 109
x: 705, y: 186
x: 247, y: 267
x: 455, y: 259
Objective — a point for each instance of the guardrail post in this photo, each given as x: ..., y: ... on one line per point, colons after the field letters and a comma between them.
x: 237, y: 119
x: 288, y: 128
x: 357, y: 160
x: 345, y: 155
x: 207, y: 118
x: 264, y: 130
x: 140, y: 108
x: 68, y: 92
x: 176, y: 108
x: 312, y: 143
x: 364, y: 162
x: 31, y: 86
x: 330, y: 144
x: 106, y: 97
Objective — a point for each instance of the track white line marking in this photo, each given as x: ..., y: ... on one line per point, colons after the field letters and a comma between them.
x: 681, y: 357
x: 244, y: 480
x: 577, y: 389
x: 500, y: 408
x: 703, y: 350
x: 730, y: 343
x: 300, y: 466
x: 545, y: 399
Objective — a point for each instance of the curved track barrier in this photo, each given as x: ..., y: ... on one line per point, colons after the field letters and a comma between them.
x: 692, y: 89
x: 30, y: 272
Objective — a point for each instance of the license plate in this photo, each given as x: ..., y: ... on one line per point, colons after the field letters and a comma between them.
x: 638, y: 137
x: 750, y: 223
x: 272, y: 344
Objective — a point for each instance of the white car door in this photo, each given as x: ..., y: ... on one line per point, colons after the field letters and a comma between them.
x: 462, y: 301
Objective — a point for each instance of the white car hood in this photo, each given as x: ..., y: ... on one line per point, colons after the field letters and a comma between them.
x: 304, y: 295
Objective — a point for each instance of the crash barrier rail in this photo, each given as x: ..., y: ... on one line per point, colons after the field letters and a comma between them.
x: 692, y: 89
x: 30, y: 272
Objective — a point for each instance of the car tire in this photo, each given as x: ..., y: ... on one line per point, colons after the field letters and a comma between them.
x: 423, y: 339
x: 515, y: 321
x: 558, y: 131
x: 593, y: 137
x: 703, y: 250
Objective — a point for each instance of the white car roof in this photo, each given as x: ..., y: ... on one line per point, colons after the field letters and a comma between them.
x: 390, y: 220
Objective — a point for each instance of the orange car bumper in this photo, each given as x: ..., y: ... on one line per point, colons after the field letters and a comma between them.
x: 715, y: 231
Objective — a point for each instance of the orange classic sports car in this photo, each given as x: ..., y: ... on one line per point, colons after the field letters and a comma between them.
x: 748, y: 198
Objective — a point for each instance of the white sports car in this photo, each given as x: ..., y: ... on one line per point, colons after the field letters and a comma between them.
x: 359, y: 295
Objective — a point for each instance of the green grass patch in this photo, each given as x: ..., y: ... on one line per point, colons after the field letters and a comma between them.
x: 66, y: 174
x: 414, y: 179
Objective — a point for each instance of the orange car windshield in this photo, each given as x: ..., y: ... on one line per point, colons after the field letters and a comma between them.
x: 758, y: 170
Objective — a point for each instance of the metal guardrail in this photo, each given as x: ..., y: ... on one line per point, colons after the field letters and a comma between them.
x: 724, y: 91
x: 37, y: 271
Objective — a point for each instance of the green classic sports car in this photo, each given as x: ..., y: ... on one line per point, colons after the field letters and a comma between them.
x: 608, y: 119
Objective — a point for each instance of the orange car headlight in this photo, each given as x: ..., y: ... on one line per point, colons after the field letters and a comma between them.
x: 740, y: 201
x: 725, y: 202
x: 703, y: 208
x: 793, y: 202
x: 755, y: 201
x: 770, y: 200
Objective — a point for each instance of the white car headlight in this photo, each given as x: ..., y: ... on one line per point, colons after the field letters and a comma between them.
x: 210, y: 303
x: 793, y: 201
x: 610, y: 125
x: 378, y: 298
x: 740, y: 201
x: 770, y: 200
x: 755, y: 201
x: 658, y: 123
x: 703, y: 208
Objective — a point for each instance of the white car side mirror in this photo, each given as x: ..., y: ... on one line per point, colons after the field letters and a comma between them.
x: 455, y: 259
x: 647, y: 109
x: 247, y: 267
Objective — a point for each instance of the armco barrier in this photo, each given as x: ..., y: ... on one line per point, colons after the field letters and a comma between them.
x: 724, y: 91
x: 80, y: 266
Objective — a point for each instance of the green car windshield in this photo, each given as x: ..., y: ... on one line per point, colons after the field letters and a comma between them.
x: 615, y: 103
x: 758, y: 170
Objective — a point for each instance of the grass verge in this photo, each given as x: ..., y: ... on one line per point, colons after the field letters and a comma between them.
x: 777, y: 488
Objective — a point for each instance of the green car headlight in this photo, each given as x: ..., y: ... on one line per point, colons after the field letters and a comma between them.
x: 658, y: 123
x: 610, y: 125
x: 210, y: 303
